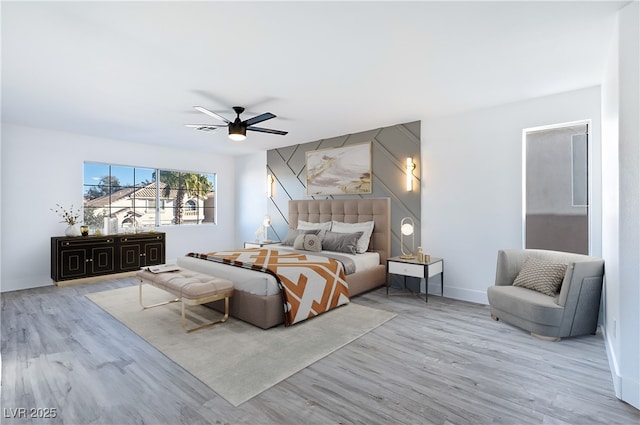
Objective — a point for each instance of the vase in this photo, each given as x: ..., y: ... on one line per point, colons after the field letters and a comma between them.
x: 72, y: 230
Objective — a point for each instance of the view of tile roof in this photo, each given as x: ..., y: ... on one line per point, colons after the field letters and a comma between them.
x: 145, y: 192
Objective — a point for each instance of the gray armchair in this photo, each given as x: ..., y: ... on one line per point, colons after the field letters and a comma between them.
x: 572, y: 312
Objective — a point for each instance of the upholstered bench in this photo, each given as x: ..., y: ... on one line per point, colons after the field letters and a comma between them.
x: 191, y: 288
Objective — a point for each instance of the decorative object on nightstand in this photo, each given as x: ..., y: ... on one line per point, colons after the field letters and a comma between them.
x: 413, y: 268
x: 266, y: 223
x: 259, y: 233
x: 84, y: 230
x: 407, y: 228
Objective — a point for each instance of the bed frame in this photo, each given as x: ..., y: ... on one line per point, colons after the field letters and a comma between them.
x: 266, y: 311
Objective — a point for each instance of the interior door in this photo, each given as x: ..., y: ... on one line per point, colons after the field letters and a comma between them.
x: 557, y: 189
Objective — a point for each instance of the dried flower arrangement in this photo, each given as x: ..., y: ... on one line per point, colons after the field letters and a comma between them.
x: 68, y: 216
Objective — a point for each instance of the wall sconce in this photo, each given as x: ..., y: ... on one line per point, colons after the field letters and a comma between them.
x: 270, y: 181
x: 407, y: 229
x: 266, y: 223
x: 410, y: 167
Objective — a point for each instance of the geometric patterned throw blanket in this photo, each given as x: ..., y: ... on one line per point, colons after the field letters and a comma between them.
x: 310, y: 285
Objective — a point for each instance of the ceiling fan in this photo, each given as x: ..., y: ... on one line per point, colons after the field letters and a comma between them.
x: 237, y: 128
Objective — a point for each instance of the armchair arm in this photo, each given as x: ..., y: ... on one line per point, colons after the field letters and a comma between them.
x: 509, y: 264
x: 580, y: 296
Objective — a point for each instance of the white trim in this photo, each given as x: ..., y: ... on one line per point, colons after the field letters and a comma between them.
x: 529, y: 130
x: 613, y: 364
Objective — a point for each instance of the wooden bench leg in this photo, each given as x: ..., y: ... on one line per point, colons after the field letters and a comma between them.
x: 206, y: 325
x: 152, y: 305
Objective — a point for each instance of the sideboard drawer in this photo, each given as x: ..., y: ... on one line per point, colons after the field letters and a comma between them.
x: 415, y: 270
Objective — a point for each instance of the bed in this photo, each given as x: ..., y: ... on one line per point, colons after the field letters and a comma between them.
x: 257, y: 298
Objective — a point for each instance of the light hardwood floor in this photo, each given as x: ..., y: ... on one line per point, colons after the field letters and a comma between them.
x: 445, y: 362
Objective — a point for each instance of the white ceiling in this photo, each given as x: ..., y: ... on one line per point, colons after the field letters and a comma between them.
x: 134, y: 71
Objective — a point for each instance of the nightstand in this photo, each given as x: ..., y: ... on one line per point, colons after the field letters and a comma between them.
x: 259, y: 244
x: 414, y: 268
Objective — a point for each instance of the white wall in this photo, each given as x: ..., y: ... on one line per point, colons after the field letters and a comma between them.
x: 41, y: 168
x: 472, y: 184
x: 621, y: 210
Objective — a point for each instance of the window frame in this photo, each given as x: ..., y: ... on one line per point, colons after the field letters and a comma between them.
x: 163, y: 210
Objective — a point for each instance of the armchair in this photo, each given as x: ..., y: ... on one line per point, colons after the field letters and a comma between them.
x: 571, y: 312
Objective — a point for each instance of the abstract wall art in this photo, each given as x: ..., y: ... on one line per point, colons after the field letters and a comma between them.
x: 339, y: 171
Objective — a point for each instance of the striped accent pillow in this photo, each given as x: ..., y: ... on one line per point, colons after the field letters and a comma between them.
x: 541, y: 276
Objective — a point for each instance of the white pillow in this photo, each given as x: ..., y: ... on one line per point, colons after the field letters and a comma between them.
x: 323, y: 227
x: 366, y: 228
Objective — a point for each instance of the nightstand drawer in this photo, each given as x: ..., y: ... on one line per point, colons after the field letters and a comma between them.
x: 415, y: 270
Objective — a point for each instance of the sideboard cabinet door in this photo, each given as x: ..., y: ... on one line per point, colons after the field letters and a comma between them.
x: 77, y: 257
x: 141, y: 250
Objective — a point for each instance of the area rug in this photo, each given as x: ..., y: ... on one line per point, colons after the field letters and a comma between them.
x: 237, y: 360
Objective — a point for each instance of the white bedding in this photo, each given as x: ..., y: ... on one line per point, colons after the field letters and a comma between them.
x: 259, y: 283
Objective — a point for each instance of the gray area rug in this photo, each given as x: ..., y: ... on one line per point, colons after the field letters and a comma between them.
x: 237, y: 360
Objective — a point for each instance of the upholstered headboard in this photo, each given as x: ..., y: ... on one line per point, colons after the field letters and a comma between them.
x: 349, y: 211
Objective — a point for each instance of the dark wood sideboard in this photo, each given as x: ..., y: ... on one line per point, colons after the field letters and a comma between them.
x: 86, y: 256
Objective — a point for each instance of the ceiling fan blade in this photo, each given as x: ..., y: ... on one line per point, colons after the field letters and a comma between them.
x: 268, y: 130
x: 212, y: 114
x: 259, y: 118
x: 204, y: 127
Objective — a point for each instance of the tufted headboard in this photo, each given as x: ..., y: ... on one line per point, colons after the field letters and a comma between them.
x: 349, y: 211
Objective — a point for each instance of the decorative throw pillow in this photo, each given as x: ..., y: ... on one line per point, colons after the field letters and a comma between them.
x: 341, y: 242
x: 322, y: 227
x: 294, y: 233
x: 541, y: 276
x: 365, y: 227
x: 308, y: 242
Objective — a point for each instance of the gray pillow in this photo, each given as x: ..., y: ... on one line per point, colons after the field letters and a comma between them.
x: 308, y: 242
x: 293, y: 234
x: 541, y: 276
x: 341, y: 242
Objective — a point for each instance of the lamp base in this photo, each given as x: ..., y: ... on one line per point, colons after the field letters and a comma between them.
x: 408, y: 257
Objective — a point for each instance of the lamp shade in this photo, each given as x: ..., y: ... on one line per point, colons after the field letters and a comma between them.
x: 407, y: 227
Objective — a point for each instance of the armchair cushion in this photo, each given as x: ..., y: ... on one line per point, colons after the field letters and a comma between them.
x: 541, y: 276
x: 531, y: 306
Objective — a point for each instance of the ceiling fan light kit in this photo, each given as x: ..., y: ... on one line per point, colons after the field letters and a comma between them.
x: 237, y: 128
x: 237, y: 131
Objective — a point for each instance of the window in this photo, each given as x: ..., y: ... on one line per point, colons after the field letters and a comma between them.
x: 147, y: 197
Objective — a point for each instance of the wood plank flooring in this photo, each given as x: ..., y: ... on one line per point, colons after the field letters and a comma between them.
x: 445, y: 362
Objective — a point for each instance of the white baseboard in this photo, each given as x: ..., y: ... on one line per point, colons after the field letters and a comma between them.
x: 625, y: 388
x: 18, y: 284
x: 613, y: 363
x: 479, y: 297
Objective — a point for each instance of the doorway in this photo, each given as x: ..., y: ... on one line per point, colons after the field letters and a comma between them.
x: 556, y: 188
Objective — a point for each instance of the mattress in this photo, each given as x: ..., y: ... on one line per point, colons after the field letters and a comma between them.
x: 259, y: 283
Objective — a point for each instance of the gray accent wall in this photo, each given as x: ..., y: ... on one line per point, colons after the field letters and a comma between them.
x: 390, y: 147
